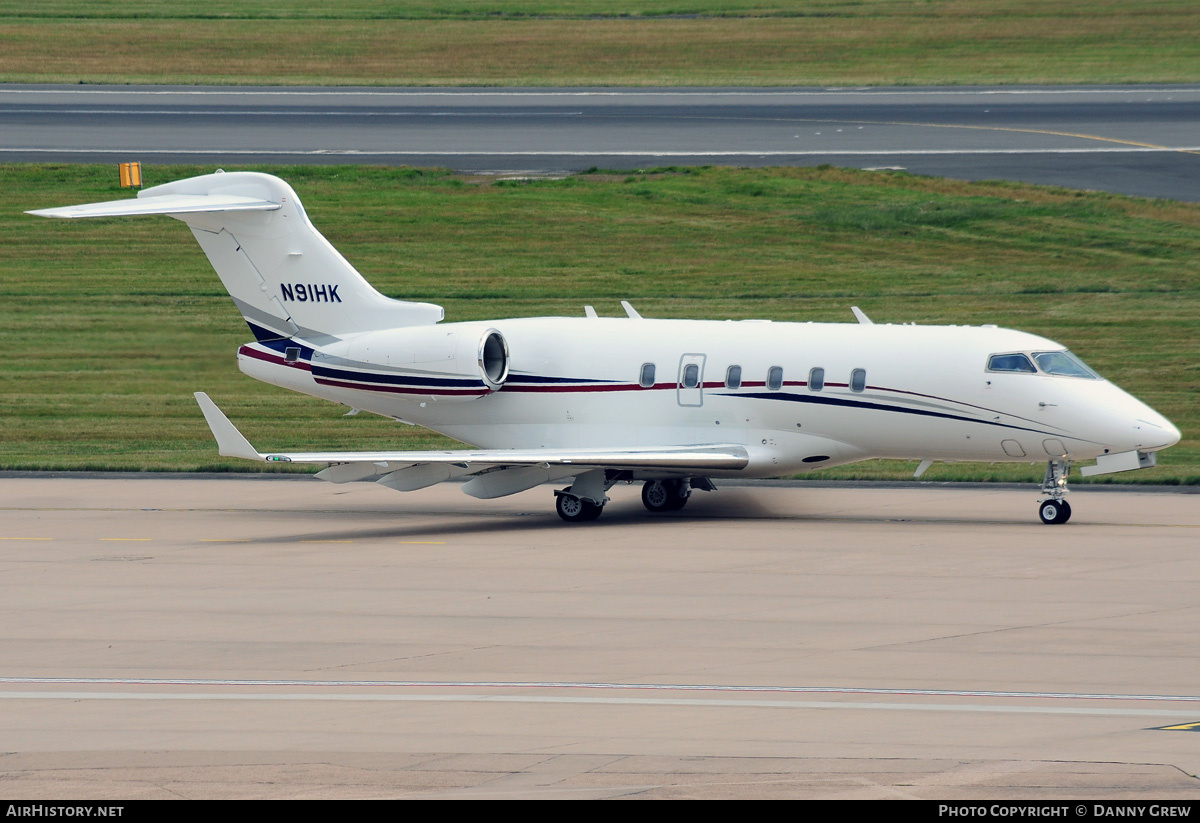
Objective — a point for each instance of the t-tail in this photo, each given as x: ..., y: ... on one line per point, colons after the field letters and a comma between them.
x: 285, y: 277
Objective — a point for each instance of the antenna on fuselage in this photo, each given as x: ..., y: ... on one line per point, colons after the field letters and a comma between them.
x: 862, y: 316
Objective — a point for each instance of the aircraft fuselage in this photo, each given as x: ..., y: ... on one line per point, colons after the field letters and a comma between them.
x: 887, y: 391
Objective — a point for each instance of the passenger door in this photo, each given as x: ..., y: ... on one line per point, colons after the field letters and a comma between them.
x: 690, y: 380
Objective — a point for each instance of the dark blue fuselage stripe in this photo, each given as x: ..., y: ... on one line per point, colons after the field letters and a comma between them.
x: 533, y: 378
x: 262, y: 334
x: 863, y: 404
x: 280, y: 344
x: 394, y: 380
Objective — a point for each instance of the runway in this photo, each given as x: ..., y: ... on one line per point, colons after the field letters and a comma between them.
x: 1136, y: 140
x: 261, y: 637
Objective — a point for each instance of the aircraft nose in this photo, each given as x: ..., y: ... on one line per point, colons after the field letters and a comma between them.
x: 1155, y: 432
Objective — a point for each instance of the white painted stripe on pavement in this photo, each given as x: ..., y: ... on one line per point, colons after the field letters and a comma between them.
x: 605, y: 701
x: 560, y: 684
x: 602, y: 153
x: 634, y: 93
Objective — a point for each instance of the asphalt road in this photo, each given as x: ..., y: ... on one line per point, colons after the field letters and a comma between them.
x: 1129, y: 139
x: 285, y: 638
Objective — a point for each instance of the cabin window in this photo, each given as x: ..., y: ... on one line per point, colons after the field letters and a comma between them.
x: 691, y: 376
x: 858, y: 380
x: 1011, y: 362
x: 291, y: 354
x: 733, y: 377
x: 1063, y: 363
x: 816, y: 379
x: 647, y: 379
x: 775, y: 378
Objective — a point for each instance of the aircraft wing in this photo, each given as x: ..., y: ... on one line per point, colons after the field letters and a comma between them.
x: 408, y: 470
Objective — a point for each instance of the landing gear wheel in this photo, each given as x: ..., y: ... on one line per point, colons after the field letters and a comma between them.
x: 1054, y: 485
x: 663, y: 495
x: 655, y: 496
x: 1054, y: 512
x: 575, y: 509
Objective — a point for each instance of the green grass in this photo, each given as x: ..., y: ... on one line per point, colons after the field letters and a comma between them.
x: 623, y: 42
x: 108, y: 326
x: 417, y: 10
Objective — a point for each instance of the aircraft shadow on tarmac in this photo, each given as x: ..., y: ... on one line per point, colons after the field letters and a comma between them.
x: 728, y: 507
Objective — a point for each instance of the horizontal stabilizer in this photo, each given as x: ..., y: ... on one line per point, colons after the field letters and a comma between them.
x: 161, y: 204
x: 283, y: 275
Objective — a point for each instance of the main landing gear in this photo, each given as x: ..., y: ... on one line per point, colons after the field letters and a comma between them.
x: 575, y: 509
x: 1055, y: 510
x: 584, y: 499
x: 665, y: 495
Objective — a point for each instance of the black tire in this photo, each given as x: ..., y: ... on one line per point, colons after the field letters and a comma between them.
x: 655, y: 496
x: 663, y: 495
x: 575, y: 509
x: 678, y: 500
x: 1064, y: 511
x: 1054, y: 512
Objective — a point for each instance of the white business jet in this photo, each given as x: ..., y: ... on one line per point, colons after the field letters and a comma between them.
x: 594, y: 400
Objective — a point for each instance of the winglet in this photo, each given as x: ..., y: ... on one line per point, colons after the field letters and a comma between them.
x: 230, y: 441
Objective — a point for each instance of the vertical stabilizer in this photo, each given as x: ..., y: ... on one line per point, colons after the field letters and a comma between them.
x: 284, y: 276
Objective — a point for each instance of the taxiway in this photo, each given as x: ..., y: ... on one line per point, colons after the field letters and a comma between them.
x: 257, y: 637
x: 1139, y: 140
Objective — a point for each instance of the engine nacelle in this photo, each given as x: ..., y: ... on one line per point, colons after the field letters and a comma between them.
x: 456, y: 361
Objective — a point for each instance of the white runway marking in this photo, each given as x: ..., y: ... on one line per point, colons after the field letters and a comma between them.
x: 638, y: 93
x: 288, y: 113
x: 497, y: 684
x: 607, y: 701
x: 603, y: 153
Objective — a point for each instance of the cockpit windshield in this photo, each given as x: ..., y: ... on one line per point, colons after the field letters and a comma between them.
x: 1063, y: 363
x: 1057, y: 363
x: 1011, y: 362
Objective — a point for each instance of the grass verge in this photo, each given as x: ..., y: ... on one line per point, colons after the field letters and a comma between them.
x: 622, y: 43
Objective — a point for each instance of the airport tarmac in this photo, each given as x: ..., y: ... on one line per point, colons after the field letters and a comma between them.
x: 245, y: 637
x: 1130, y: 139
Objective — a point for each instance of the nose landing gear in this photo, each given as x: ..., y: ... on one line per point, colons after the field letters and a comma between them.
x: 1055, y: 510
